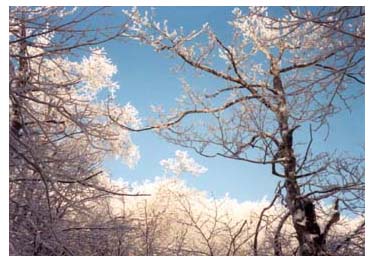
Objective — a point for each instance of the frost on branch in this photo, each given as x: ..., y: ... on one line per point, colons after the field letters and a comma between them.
x: 66, y: 91
x: 284, y: 70
x: 278, y: 74
x: 177, y: 219
x: 96, y: 73
x: 60, y: 131
x: 182, y: 163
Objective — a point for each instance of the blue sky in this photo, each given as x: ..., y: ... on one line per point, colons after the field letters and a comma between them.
x: 146, y: 78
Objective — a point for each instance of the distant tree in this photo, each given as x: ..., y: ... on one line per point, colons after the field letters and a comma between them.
x: 179, y: 220
x: 281, y: 74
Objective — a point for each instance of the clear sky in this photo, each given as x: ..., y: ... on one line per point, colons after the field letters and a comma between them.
x: 146, y: 78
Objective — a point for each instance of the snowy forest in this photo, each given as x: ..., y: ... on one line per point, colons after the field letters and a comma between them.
x: 278, y: 78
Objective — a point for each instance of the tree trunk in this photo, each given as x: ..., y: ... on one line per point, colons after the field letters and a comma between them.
x: 302, y: 210
x: 16, y: 121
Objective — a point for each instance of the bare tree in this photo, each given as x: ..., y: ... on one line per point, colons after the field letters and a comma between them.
x: 282, y: 74
x: 59, y: 130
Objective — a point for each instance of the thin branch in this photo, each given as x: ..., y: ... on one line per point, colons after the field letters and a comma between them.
x: 255, y: 250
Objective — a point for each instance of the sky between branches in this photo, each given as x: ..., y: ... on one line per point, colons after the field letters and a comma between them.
x: 146, y: 78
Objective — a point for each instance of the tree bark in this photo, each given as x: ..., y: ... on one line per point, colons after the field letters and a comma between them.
x: 302, y: 210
